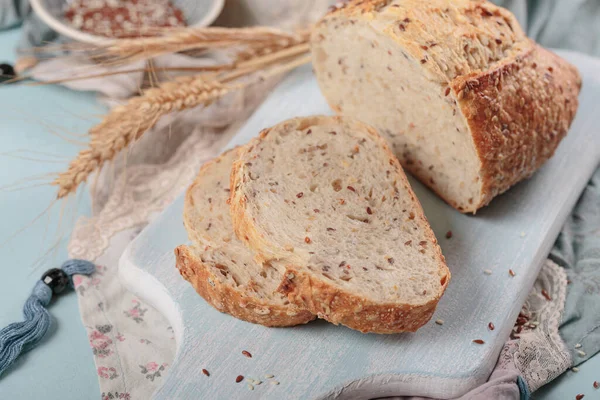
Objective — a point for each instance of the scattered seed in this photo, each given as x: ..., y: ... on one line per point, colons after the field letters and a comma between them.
x: 487, y: 271
x: 250, y: 387
x: 205, y: 372
x: 369, y: 211
x: 581, y: 353
x: 351, y: 188
x: 239, y: 379
x: 546, y: 295
x: 439, y: 321
x: 449, y: 235
x: 511, y: 272
x: 578, y: 346
x: 256, y: 382
x: 575, y: 369
x: 491, y: 326
x: 307, y: 240
x: 269, y: 376
x: 247, y: 354
x: 596, y: 385
x: 274, y: 383
x: 523, y: 234
x: 299, y: 195
x: 579, y: 396
x: 478, y: 341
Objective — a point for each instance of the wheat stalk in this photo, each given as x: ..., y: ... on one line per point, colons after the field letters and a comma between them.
x: 128, y: 50
x: 127, y: 123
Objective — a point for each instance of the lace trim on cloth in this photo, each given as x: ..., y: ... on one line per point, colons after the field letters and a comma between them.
x: 536, y: 349
x: 140, y: 191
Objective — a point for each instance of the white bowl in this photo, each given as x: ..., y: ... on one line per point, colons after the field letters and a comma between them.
x: 197, y: 13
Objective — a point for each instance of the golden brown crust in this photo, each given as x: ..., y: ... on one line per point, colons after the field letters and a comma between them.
x: 353, y: 311
x: 226, y: 299
x: 321, y: 297
x: 518, y: 114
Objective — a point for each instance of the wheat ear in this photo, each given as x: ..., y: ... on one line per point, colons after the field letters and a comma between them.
x: 127, y: 123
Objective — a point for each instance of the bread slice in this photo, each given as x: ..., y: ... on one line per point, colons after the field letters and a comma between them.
x: 219, y: 266
x: 468, y: 103
x: 326, y: 196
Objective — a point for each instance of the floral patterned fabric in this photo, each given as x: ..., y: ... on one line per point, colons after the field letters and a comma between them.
x: 133, y: 345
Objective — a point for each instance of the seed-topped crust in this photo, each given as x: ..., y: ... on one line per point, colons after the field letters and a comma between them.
x: 518, y: 113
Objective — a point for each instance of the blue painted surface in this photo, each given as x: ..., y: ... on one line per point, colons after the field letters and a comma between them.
x: 62, y: 367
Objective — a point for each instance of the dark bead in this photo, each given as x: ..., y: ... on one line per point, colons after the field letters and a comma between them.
x: 7, y: 72
x: 56, y: 279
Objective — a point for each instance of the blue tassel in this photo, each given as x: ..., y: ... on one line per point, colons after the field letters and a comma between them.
x: 23, y: 336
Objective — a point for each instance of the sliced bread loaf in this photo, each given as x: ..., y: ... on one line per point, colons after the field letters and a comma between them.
x: 468, y: 103
x: 219, y: 266
x: 326, y: 197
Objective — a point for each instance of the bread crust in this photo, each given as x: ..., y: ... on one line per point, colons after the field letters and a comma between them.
x: 228, y: 300
x: 517, y: 113
x: 517, y: 98
x: 321, y: 297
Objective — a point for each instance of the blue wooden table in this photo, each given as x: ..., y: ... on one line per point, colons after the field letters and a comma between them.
x: 62, y: 367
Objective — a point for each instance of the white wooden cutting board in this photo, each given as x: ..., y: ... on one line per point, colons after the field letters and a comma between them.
x: 320, y: 360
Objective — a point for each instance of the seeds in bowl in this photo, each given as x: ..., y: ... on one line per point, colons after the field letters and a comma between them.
x: 123, y: 18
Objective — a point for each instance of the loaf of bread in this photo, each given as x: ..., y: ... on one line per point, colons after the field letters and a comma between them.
x: 219, y: 266
x: 468, y: 103
x: 326, y: 197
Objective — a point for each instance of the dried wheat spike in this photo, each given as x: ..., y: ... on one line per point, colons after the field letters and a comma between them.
x: 126, y: 123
